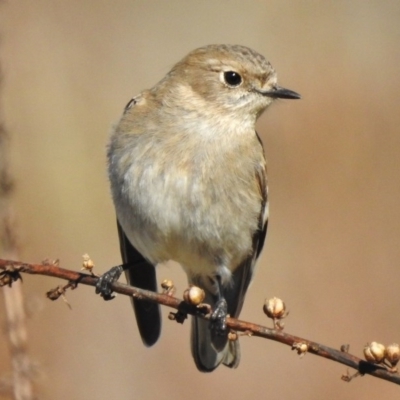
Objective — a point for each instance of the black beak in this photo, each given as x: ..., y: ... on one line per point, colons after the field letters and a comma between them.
x: 280, y: 93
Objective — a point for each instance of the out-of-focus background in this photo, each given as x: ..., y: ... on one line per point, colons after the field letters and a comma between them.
x: 332, y: 251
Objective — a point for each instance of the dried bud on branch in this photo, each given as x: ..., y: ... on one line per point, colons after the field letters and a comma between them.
x: 275, y: 308
x: 87, y: 264
x: 374, y: 352
x: 393, y: 354
x: 168, y: 287
x: 194, y: 295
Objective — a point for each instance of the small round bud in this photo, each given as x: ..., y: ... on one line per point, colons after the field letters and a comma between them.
x: 172, y: 316
x: 88, y: 263
x: 345, y: 348
x: 393, y: 354
x: 168, y: 287
x: 374, y: 352
x: 233, y: 336
x: 167, y: 284
x: 274, y: 308
x: 194, y: 295
x: 301, y: 348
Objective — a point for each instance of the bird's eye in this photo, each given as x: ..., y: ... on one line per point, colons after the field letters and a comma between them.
x: 232, y: 78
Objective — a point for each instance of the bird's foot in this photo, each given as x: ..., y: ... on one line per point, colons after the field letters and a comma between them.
x: 218, y: 317
x: 103, y: 285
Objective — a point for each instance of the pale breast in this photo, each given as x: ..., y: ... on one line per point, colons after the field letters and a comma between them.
x: 192, y: 196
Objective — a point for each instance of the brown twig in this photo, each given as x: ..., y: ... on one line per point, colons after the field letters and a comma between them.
x: 301, y: 345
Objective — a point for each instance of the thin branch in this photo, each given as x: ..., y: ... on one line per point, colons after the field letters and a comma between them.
x: 12, y: 270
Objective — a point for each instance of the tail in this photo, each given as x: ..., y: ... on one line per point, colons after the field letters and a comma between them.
x: 141, y: 274
x: 206, y: 356
x: 209, y: 350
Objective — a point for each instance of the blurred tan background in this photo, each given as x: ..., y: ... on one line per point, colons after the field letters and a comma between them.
x: 332, y: 251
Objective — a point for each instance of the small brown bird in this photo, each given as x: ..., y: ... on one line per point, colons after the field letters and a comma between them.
x: 189, y: 183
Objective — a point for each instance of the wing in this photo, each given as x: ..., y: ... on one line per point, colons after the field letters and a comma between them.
x: 244, y: 272
x: 141, y: 274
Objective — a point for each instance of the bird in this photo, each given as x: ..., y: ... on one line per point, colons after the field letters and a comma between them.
x: 188, y: 179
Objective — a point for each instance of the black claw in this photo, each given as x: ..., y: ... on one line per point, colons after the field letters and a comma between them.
x: 218, y: 317
x: 103, y: 285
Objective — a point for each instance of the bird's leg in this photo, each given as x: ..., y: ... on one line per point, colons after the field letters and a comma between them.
x: 103, y: 285
x: 220, y: 312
